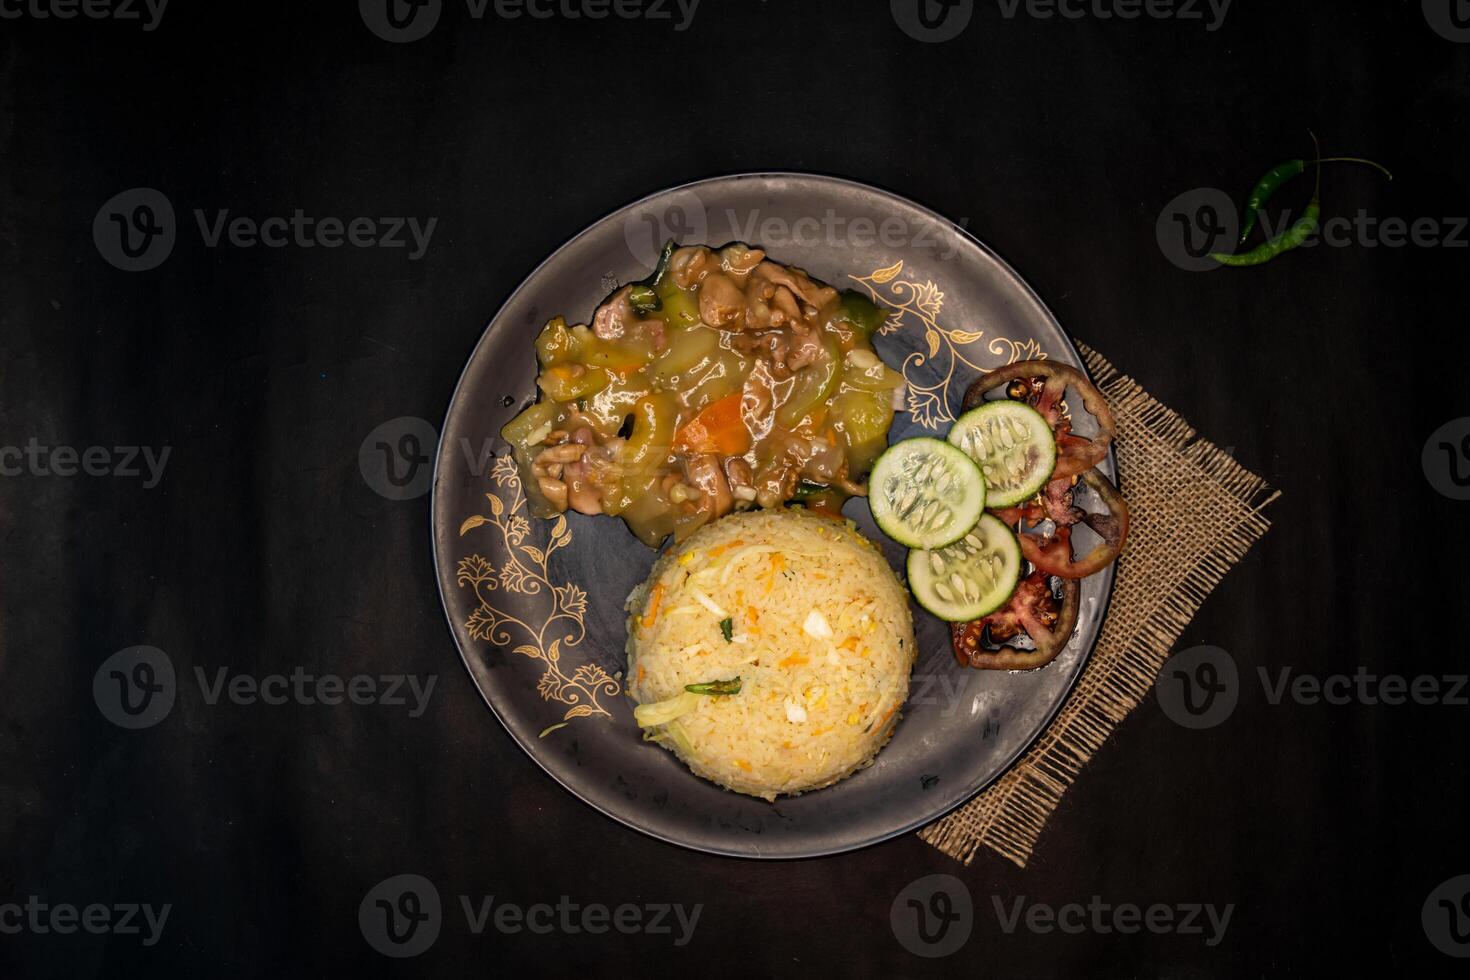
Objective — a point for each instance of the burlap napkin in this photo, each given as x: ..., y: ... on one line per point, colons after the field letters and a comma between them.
x: 1195, y: 512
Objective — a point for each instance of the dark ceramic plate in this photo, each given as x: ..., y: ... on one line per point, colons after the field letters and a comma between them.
x: 536, y: 606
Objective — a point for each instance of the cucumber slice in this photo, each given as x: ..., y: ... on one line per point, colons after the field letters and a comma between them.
x: 971, y: 578
x: 1013, y: 446
x: 926, y: 493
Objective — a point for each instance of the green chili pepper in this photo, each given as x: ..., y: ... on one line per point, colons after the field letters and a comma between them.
x: 716, y: 688
x: 1265, y: 187
x: 806, y: 490
x: 1274, y: 178
x: 1293, y: 237
x: 643, y: 299
x: 727, y: 629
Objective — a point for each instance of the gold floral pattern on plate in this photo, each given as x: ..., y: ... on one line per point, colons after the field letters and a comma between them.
x: 526, y: 572
x: 919, y: 303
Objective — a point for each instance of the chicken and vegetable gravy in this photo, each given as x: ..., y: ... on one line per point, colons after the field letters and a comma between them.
x: 723, y: 382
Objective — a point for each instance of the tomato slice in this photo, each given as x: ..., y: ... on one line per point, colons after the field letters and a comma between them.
x: 1052, y: 553
x: 1033, y: 609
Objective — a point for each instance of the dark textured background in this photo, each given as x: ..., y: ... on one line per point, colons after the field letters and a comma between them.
x: 263, y: 548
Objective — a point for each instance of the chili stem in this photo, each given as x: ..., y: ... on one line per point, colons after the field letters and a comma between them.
x: 1376, y: 166
x: 1317, y: 185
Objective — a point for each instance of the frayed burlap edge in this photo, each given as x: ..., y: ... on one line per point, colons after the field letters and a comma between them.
x: 1195, y: 512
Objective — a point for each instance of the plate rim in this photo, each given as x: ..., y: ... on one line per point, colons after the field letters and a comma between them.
x: 459, y: 392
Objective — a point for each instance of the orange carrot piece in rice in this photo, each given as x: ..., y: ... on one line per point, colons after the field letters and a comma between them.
x: 651, y: 617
